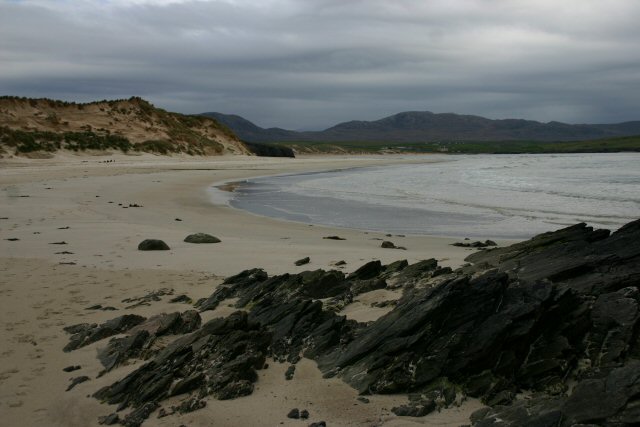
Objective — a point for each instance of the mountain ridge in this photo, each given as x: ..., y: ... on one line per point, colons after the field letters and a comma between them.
x: 426, y: 126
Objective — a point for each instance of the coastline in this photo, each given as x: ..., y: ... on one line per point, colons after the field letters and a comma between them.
x: 47, y: 286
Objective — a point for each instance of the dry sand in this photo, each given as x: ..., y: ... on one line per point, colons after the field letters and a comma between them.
x: 45, y: 286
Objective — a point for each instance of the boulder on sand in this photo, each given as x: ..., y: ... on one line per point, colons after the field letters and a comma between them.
x: 201, y: 238
x: 153, y: 245
x: 302, y: 261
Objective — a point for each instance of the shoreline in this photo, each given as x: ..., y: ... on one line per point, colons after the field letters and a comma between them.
x: 46, y: 286
x: 224, y: 192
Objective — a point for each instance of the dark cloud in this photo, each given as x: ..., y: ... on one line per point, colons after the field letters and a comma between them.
x: 310, y: 64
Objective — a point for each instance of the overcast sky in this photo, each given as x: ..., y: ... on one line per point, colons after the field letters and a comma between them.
x: 309, y: 64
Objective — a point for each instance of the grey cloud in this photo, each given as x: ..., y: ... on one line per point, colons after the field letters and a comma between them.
x: 310, y: 64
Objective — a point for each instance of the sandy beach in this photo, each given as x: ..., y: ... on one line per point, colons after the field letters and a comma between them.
x: 69, y: 230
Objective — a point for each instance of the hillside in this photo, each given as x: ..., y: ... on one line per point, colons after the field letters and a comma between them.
x: 424, y: 126
x: 28, y: 125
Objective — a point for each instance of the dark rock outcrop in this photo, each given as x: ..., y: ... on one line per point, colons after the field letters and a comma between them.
x: 558, y: 316
x: 84, y: 334
x: 140, y: 337
x: 153, y: 245
x: 219, y: 359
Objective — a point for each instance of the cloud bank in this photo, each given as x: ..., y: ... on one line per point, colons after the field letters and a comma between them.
x: 308, y: 64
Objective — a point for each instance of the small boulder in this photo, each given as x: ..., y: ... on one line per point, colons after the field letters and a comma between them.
x: 201, y: 238
x: 303, y: 261
x: 294, y: 414
x: 153, y: 245
x: 288, y: 375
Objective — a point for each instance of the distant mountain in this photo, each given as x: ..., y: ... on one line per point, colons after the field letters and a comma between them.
x: 248, y: 131
x: 425, y: 126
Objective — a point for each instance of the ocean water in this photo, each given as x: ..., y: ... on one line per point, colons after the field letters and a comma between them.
x: 501, y: 196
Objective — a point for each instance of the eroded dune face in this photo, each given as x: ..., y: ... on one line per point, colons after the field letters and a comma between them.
x: 134, y: 124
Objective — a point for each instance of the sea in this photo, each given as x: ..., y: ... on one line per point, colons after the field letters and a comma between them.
x: 475, y: 196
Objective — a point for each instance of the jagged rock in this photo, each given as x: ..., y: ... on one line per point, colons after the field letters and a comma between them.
x: 137, y: 416
x: 441, y: 270
x: 338, y: 302
x: 394, y: 268
x: 302, y: 261
x: 615, y: 323
x: 535, y: 412
x: 153, y: 245
x: 304, y: 414
x: 85, y: 334
x: 408, y: 276
x: 77, y: 380
x: 109, y: 420
x: 172, y: 323
x: 612, y: 400
x: 120, y: 349
x: 219, y: 359
x: 367, y: 271
x: 387, y: 245
x: 190, y: 405
x: 479, y: 385
x: 71, y: 368
x: 181, y: 298
x: 201, y: 238
x: 232, y: 286
x: 318, y: 424
x: 560, y: 308
x: 322, y: 284
x: 361, y: 286
x: 235, y: 389
x: 419, y: 409
x: 503, y: 397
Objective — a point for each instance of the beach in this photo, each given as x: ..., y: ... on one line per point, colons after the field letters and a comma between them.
x: 70, y: 227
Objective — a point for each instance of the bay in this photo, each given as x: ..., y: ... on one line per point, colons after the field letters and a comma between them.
x: 500, y: 196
